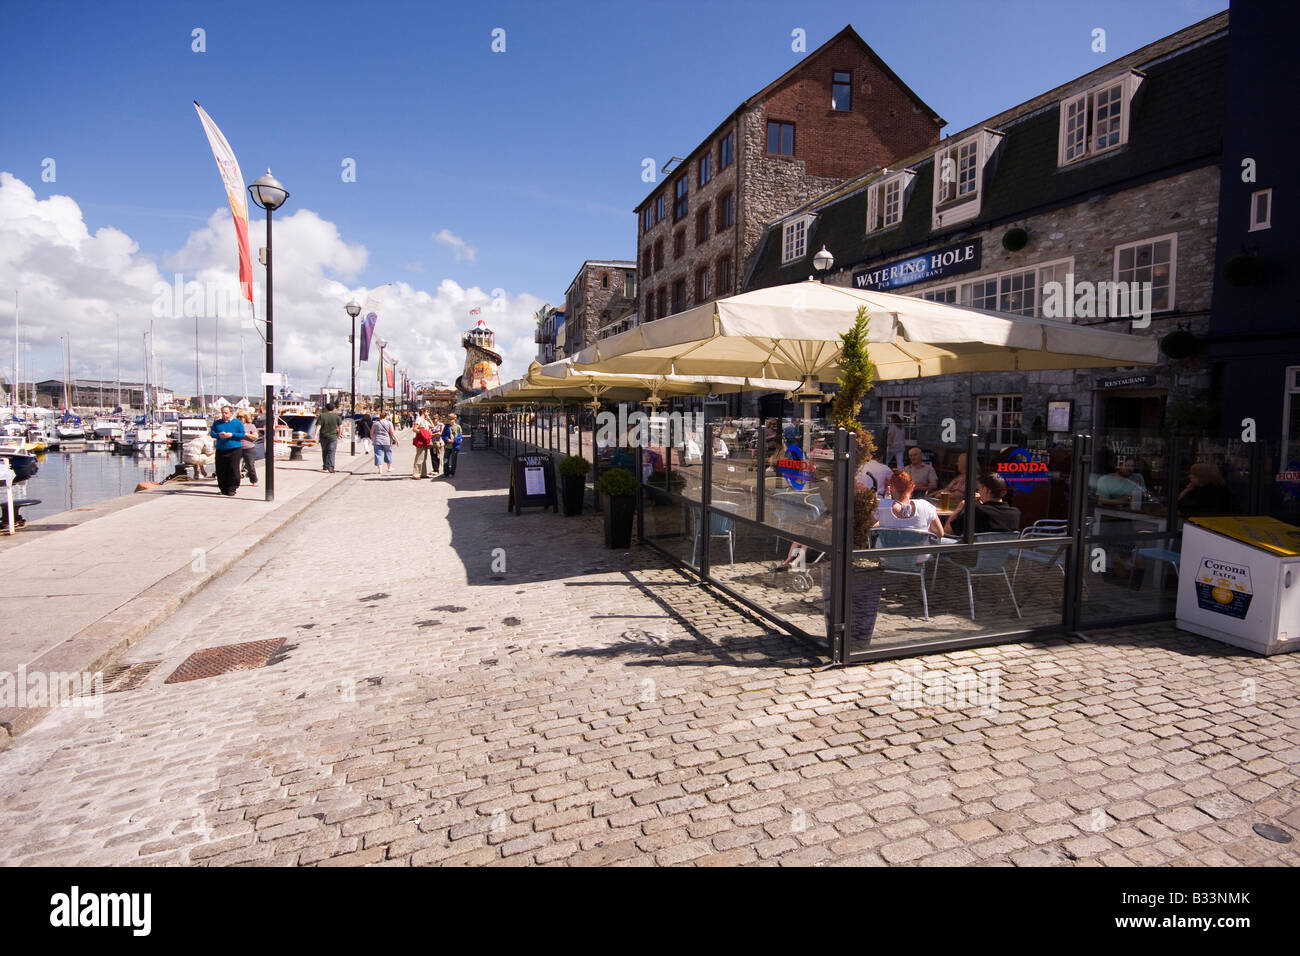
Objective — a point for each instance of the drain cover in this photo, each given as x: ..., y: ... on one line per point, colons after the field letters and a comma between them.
x: 121, y: 677
x: 212, y: 661
x: 1270, y: 832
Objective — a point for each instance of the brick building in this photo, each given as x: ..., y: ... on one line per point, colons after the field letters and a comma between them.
x: 603, y: 292
x: 1108, y: 178
x: 838, y: 113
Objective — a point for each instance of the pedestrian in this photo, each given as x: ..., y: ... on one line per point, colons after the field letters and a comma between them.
x: 200, y: 454
x: 895, y: 443
x: 248, y: 446
x: 229, y: 435
x: 327, y: 433
x: 422, y: 441
x: 384, y: 438
x: 364, y: 426
x: 451, y: 445
x: 436, y: 448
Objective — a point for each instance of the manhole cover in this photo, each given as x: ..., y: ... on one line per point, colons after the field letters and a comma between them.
x: 122, y: 677
x: 212, y: 661
x: 1270, y: 832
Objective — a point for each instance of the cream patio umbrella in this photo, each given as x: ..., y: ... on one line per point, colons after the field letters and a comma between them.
x: 792, y: 332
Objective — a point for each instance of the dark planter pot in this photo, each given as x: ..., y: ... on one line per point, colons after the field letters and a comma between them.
x: 864, y: 602
x: 574, y: 487
x: 620, y: 510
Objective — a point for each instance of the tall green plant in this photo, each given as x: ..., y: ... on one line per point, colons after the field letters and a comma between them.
x: 857, y: 375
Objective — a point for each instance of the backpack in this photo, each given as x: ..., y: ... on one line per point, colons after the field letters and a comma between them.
x: 423, y: 437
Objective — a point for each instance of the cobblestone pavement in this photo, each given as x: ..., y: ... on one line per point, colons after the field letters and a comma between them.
x: 583, y: 706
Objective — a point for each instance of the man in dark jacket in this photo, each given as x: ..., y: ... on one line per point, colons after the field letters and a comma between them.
x: 451, y: 433
x: 991, y: 512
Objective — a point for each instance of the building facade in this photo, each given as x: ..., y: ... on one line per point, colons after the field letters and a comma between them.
x: 1095, y: 203
x: 838, y: 113
x: 550, y: 334
x: 603, y: 290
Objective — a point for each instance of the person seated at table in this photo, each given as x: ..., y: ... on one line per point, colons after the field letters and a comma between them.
x: 923, y: 475
x: 991, y: 512
x: 720, y: 449
x: 958, y: 485
x: 1117, y: 488
x: 873, y: 476
x: 905, y: 512
x: 1206, y: 492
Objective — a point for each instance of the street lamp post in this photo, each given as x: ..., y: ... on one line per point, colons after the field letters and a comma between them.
x: 382, y: 371
x: 822, y: 263
x: 353, y: 308
x: 270, y: 195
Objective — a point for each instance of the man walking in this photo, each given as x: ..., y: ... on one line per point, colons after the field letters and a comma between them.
x: 451, y: 445
x: 229, y: 435
x: 327, y: 432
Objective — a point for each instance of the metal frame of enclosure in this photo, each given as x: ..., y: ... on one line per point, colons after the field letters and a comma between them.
x: 715, y: 503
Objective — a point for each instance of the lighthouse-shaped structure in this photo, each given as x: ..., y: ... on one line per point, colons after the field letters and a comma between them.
x: 481, y: 361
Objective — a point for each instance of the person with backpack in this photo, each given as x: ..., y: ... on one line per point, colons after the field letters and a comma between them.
x: 384, y: 438
x: 364, y: 424
x: 423, y: 442
x: 451, y: 435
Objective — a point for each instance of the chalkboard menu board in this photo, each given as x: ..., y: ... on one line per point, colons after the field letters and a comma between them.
x: 532, y: 483
x: 478, y: 438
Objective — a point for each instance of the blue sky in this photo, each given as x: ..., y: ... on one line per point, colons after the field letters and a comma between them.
x: 531, y: 157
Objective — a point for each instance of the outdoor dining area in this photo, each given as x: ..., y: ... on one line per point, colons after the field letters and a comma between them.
x: 769, y: 511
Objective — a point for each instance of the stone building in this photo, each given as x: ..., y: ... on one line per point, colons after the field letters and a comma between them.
x: 1112, y: 177
x: 837, y: 113
x: 603, y: 291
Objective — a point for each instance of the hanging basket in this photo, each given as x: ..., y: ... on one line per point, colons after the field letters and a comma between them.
x: 1179, y: 344
x: 1013, y: 240
x: 1243, y: 269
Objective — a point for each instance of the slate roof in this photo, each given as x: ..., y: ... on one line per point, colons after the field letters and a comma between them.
x: 1175, y: 125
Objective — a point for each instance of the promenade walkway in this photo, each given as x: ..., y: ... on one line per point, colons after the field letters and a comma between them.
x: 458, y: 685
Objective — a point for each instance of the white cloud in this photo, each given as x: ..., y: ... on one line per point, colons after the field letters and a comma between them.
x: 72, y: 282
x: 462, y: 250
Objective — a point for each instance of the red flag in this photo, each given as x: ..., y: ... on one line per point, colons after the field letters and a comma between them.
x: 233, y: 180
x: 388, y: 374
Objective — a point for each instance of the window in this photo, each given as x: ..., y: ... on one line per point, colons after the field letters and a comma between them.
x: 649, y: 306
x: 904, y: 408
x: 659, y: 208
x: 945, y: 294
x: 795, y: 242
x: 1261, y: 210
x: 679, y: 295
x: 980, y: 294
x: 724, y: 275
x: 604, y: 280
x: 780, y: 139
x: 702, y: 226
x: 885, y: 200
x: 1017, y: 292
x: 841, y: 91
x: 726, y: 211
x: 682, y: 204
x: 679, y: 243
x: 958, y: 170
x: 662, y: 309
x: 629, y: 284
x: 1151, y: 260
x: 645, y: 263
x: 647, y: 218
x: 959, y: 175
x: 999, y: 419
x: 726, y: 151
x: 1096, y: 120
x: 659, y: 254
x: 702, y: 286
x: 706, y: 168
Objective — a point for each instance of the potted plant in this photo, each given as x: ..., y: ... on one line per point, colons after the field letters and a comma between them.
x: 618, y: 487
x: 573, y: 482
x: 857, y: 372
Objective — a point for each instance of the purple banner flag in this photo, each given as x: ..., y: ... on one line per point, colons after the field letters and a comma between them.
x: 371, y: 318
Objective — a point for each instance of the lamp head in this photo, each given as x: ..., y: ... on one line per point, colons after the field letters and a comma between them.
x: 267, y: 192
x: 353, y: 308
x: 823, y: 260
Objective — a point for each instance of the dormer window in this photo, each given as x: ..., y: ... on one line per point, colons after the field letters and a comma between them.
x: 886, y: 199
x: 959, y: 175
x: 1096, y: 120
x: 794, y: 244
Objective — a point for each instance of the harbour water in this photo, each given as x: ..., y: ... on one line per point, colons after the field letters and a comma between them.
x: 74, y: 479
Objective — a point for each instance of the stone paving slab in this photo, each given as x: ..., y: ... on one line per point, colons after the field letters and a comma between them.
x: 461, y: 686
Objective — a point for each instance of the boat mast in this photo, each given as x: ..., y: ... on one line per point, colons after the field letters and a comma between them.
x: 117, y: 334
x: 216, y: 354
x: 198, y: 379
x: 13, y: 391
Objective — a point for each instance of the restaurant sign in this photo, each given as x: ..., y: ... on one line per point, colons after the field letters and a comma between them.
x: 939, y: 264
x: 1141, y: 380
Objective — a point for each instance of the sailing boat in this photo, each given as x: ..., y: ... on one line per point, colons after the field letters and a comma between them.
x: 69, y: 429
x: 150, y: 437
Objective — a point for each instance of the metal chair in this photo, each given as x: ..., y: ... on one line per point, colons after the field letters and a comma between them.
x: 989, y: 562
x: 908, y: 564
x: 720, y: 526
x: 1043, y: 528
